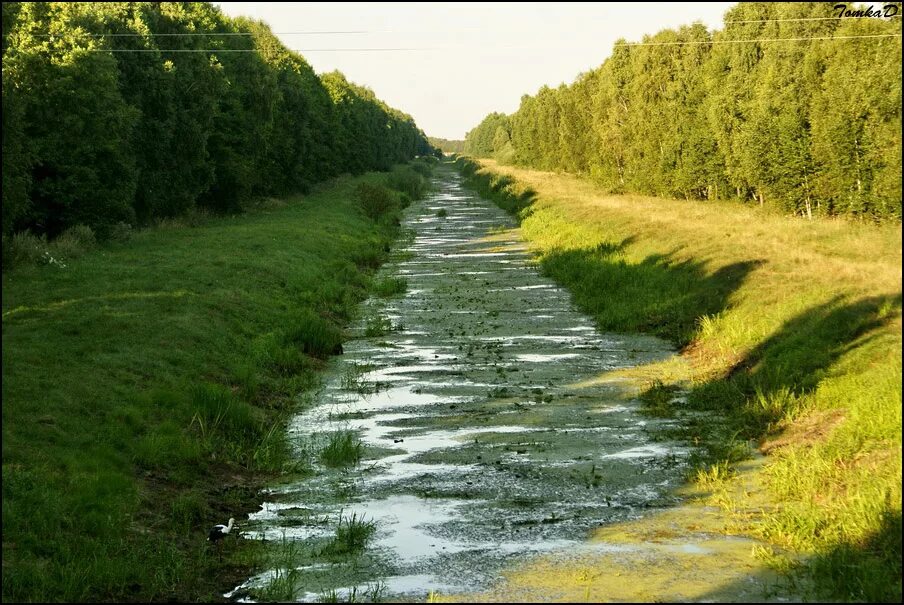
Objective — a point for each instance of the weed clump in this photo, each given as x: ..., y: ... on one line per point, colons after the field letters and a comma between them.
x: 314, y: 335
x: 391, y: 286
x: 352, y: 535
x: 25, y: 248
x: 376, y: 201
x: 407, y: 180
x: 343, y: 449
x: 659, y: 399
x: 377, y: 326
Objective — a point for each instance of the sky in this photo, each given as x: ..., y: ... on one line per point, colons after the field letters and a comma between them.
x: 450, y: 64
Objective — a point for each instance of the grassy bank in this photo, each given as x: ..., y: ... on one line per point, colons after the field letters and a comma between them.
x: 145, y: 385
x: 793, y: 331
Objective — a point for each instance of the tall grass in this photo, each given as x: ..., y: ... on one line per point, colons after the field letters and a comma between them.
x: 793, y: 333
x: 23, y: 249
x: 353, y: 532
x: 390, y: 286
x: 343, y: 448
x: 409, y: 180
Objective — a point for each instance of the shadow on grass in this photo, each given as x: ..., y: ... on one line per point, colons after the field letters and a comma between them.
x: 870, y: 571
x: 768, y: 385
x: 657, y: 296
x: 769, y: 381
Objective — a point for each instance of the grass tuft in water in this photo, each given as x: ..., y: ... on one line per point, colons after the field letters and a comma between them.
x: 343, y: 449
x: 377, y: 326
x: 658, y: 399
x: 352, y: 535
x: 391, y: 286
x: 283, y: 586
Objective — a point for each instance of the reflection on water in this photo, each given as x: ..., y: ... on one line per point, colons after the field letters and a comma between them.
x: 478, y: 447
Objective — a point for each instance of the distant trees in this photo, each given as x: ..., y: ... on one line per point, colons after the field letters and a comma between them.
x: 126, y: 112
x: 809, y: 126
x: 447, y: 145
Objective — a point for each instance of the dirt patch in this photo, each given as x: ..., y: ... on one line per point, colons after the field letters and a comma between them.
x: 812, y: 429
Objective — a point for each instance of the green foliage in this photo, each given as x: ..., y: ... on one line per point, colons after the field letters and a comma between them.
x: 375, y: 200
x: 342, y: 449
x: 810, y: 128
x: 390, y: 286
x: 447, y: 145
x: 409, y: 180
x: 103, y: 139
x: 352, y: 534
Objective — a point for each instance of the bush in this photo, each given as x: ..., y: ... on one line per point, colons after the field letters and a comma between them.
x: 422, y: 168
x: 375, y: 200
x: 23, y: 249
x: 120, y: 232
x: 408, y: 181
x: 74, y: 242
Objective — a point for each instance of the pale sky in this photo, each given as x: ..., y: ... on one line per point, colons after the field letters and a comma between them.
x: 462, y: 61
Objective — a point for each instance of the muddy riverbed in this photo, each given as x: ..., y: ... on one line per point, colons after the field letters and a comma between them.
x: 483, y: 444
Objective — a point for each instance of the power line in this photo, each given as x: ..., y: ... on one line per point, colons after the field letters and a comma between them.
x: 691, y: 42
x: 246, y: 50
x: 191, y: 34
x: 429, y: 48
x: 362, y: 31
x: 800, y: 19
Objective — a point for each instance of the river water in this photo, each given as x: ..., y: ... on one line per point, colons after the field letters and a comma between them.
x: 484, y: 440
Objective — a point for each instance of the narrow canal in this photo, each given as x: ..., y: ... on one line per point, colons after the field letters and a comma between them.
x: 482, y: 442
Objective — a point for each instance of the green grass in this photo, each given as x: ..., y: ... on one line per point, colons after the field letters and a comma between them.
x: 793, y: 333
x: 390, y: 286
x: 342, y: 449
x: 284, y: 585
x: 378, y: 326
x: 352, y: 535
x: 408, y: 180
x: 146, y: 383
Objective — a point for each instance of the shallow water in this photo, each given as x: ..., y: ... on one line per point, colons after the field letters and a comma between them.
x: 480, y: 448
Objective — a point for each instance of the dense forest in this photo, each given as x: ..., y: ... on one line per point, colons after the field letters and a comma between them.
x: 126, y: 112
x: 765, y: 110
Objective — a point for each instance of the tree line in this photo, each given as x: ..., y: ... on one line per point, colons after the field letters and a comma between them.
x: 447, y: 145
x: 812, y: 126
x: 129, y: 112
